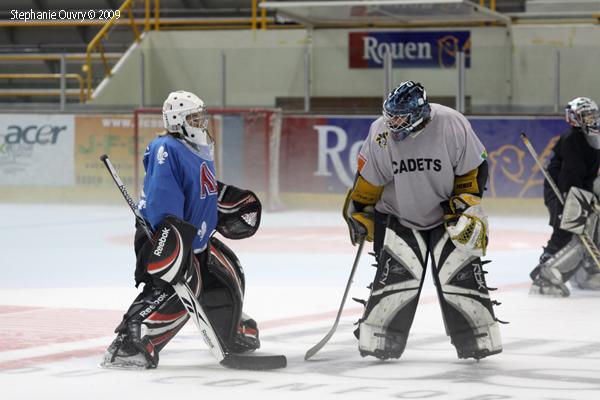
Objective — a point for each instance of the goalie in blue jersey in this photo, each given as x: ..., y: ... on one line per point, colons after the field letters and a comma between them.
x: 181, y: 192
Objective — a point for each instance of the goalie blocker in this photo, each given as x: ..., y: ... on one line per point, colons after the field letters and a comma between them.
x: 460, y: 282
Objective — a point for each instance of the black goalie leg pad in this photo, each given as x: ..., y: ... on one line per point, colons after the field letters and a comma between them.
x: 389, y: 312
x: 223, y: 297
x: 171, y: 255
x: 464, y: 298
x: 152, y: 320
x: 133, y: 346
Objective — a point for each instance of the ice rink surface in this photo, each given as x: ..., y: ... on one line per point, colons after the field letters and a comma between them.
x: 67, y: 280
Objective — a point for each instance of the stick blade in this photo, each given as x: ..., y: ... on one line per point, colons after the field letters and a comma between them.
x: 315, y: 349
x: 312, y: 351
x: 254, y: 363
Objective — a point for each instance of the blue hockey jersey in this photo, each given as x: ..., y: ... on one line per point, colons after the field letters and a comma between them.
x: 180, y: 180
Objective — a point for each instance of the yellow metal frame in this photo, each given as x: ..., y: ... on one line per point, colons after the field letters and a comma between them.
x: 492, y: 5
x: 254, y: 18
x: 96, y: 43
x: 48, y: 76
x: 54, y: 57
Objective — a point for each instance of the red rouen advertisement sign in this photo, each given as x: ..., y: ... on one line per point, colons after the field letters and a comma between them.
x: 410, y: 49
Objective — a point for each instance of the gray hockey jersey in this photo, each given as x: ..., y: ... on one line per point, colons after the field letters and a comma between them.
x: 418, y: 172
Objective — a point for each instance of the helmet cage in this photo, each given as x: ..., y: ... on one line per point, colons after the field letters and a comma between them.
x: 197, y: 119
x: 583, y: 113
x: 406, y: 110
x: 185, y: 113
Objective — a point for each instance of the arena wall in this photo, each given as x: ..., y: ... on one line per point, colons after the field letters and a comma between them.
x: 50, y: 158
x: 507, y: 67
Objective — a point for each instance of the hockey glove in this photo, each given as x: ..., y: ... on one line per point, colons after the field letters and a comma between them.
x: 360, y: 223
x: 359, y: 211
x: 239, y: 212
x: 466, y: 223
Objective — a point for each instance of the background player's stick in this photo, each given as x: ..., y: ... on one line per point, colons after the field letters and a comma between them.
x: 587, y: 241
x: 193, y: 307
x: 313, y: 350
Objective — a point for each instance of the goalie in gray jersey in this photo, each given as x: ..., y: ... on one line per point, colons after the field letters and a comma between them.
x: 417, y: 192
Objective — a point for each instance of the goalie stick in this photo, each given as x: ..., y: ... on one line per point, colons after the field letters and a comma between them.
x: 193, y: 307
x: 313, y: 350
x: 587, y: 241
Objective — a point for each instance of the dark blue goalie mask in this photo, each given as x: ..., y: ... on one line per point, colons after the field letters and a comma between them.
x: 406, y: 110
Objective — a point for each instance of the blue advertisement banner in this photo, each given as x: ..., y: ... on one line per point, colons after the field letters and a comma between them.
x: 323, y: 151
x: 409, y: 49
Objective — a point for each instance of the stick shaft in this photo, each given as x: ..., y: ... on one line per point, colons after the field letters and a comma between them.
x: 586, y: 240
x: 313, y: 350
x: 541, y: 166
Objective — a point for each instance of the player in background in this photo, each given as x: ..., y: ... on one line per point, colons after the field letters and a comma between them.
x: 181, y: 193
x: 574, y: 164
x: 417, y: 193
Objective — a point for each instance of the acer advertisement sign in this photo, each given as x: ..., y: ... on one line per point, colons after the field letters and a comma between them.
x: 408, y: 49
x: 37, y: 150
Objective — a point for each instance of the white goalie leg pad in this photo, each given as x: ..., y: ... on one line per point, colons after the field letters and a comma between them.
x: 466, y: 305
x: 580, y: 206
x: 567, y: 259
x: 389, y: 312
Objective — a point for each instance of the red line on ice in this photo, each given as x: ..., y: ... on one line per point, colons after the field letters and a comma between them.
x: 334, y: 239
x: 53, y: 326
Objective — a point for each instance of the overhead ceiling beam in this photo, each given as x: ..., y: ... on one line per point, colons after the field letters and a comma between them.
x: 112, y: 4
x: 39, y: 4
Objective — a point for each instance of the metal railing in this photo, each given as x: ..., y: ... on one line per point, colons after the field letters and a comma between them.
x: 492, y: 4
x: 96, y: 43
x: 44, y: 76
x: 55, y: 57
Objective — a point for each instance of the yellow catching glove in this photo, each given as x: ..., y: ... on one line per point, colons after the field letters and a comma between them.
x: 466, y: 223
x: 358, y: 211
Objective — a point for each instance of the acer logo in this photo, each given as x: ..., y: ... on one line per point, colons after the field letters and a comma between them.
x: 161, y: 242
x: 33, y: 134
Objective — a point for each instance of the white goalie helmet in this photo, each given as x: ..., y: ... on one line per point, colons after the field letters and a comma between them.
x: 184, y: 112
x: 583, y: 113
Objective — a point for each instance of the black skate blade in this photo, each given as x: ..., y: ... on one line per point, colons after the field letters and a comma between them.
x: 255, y: 363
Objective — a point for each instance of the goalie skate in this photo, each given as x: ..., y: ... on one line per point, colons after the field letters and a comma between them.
x: 121, y: 354
x: 549, y: 283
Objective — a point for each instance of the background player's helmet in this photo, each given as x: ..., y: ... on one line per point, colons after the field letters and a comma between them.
x: 583, y: 113
x: 184, y: 112
x: 406, y: 110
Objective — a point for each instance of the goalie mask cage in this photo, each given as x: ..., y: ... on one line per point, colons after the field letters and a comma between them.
x: 247, y: 144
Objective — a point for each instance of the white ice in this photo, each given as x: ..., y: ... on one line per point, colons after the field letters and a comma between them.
x: 66, y: 279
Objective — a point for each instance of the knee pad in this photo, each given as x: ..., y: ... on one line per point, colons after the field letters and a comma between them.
x: 223, y: 290
x: 389, y: 312
x: 464, y: 298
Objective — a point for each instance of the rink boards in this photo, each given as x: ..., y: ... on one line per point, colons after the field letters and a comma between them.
x: 55, y: 158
